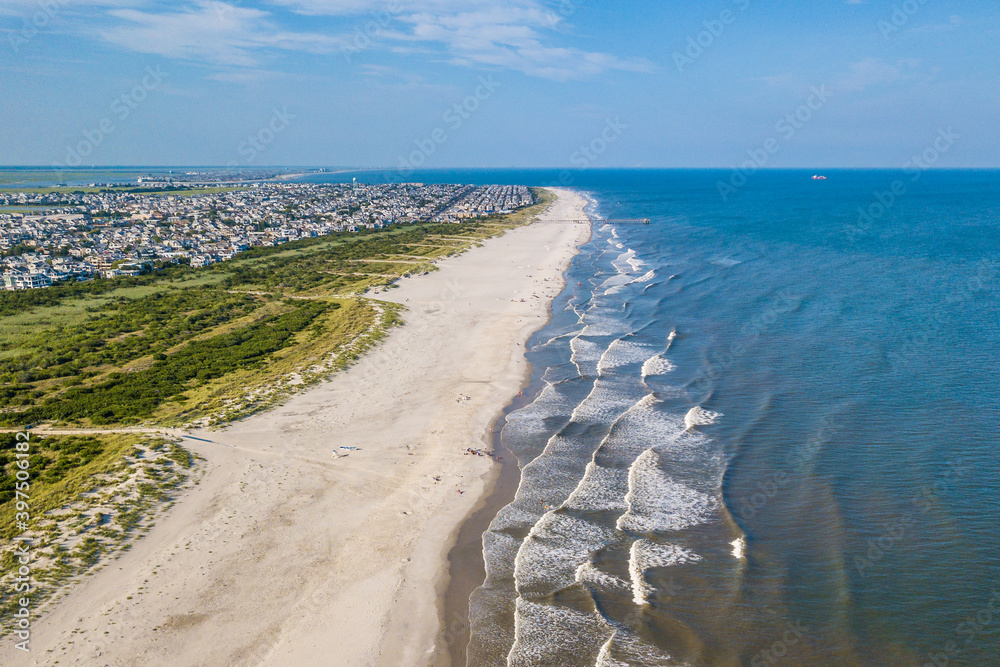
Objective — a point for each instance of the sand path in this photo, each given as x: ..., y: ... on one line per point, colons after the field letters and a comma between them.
x: 287, y: 554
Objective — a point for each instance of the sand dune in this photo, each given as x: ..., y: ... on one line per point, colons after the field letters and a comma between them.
x: 293, y: 550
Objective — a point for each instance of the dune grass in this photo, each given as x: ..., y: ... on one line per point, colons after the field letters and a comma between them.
x: 181, y: 344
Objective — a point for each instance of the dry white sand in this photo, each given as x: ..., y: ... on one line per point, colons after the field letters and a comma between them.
x: 286, y: 554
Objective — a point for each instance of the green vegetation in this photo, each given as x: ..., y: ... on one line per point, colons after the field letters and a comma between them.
x: 179, y: 189
x: 14, y: 303
x: 185, y: 344
x: 127, y: 397
x: 177, y: 346
x: 87, y: 497
x: 60, y: 469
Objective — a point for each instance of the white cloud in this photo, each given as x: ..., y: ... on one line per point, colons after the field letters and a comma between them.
x: 954, y: 22
x: 510, y: 38
x: 211, y: 31
x: 520, y: 35
x: 395, y: 7
x: 32, y: 9
x: 874, y: 72
x: 508, y: 34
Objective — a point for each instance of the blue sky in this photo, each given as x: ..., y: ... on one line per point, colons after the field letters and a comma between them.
x: 527, y: 83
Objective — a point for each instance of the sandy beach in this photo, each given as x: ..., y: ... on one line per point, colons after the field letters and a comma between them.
x: 319, y: 532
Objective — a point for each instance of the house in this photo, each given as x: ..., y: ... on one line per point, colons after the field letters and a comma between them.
x: 15, y: 280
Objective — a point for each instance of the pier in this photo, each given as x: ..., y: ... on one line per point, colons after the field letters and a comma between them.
x: 606, y: 221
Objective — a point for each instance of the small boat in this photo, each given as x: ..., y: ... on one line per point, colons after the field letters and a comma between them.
x: 817, y: 177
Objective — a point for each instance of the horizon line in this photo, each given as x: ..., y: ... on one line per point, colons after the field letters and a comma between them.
x: 341, y: 169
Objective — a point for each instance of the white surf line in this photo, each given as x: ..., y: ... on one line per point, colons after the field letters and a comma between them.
x: 576, y: 554
x: 586, y: 481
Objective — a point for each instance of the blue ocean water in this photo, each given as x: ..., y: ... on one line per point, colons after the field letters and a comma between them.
x: 766, y: 428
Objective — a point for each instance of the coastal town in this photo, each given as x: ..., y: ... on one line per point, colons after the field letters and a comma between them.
x: 58, y: 235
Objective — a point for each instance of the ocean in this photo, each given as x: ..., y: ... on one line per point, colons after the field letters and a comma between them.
x: 763, y: 430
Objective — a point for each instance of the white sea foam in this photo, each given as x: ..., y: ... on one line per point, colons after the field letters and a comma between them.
x: 529, y: 421
x: 623, y: 263
x: 560, y: 542
x: 620, y: 353
x: 566, y: 490
x: 546, y: 634
x: 657, y: 365
x: 553, y: 551
x: 656, y: 502
x: 671, y: 337
x: 605, y: 403
x: 548, y: 401
x: 646, y: 277
x: 599, y: 323
x: 601, y: 327
x: 604, y: 658
x: 636, y: 263
x: 620, y: 282
x: 625, y: 649
x: 568, y: 334
x: 588, y: 575
x: 608, y: 357
x: 699, y: 416
x: 499, y: 550
x: 586, y: 354
x: 600, y: 489
x: 576, y: 311
x: 605, y: 485
x: 739, y: 547
x: 616, y: 283
x: 548, y: 480
x: 641, y: 428
x: 645, y: 555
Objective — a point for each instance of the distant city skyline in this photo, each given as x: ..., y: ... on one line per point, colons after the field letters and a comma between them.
x: 560, y: 84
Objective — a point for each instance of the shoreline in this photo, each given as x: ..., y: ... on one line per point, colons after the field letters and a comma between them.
x: 464, y: 577
x: 466, y: 564
x: 323, y: 527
